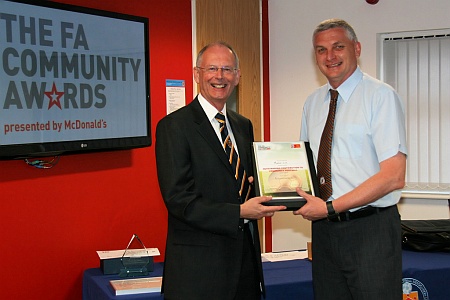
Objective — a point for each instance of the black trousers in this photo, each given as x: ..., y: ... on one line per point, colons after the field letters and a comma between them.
x: 359, y: 259
x: 248, y: 288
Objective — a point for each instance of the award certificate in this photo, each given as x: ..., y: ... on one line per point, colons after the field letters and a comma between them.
x: 281, y: 167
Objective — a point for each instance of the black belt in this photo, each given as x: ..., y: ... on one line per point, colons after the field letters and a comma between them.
x: 360, y: 213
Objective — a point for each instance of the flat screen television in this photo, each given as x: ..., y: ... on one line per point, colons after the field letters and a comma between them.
x: 72, y: 80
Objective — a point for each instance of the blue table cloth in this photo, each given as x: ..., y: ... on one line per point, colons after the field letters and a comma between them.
x: 425, y: 274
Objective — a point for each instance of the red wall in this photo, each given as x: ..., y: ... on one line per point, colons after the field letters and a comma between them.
x: 53, y: 221
x: 266, y: 102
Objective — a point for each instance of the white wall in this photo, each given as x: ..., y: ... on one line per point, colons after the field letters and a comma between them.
x: 293, y: 76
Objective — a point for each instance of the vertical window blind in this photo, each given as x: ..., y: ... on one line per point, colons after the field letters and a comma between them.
x: 417, y: 65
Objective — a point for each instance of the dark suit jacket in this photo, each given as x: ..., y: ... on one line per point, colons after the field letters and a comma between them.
x: 205, y: 233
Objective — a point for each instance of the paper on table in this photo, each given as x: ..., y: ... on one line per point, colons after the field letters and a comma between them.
x: 282, y: 256
x: 137, y: 285
x: 130, y: 253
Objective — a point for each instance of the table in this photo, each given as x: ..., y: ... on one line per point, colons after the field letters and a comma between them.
x: 427, y: 274
x: 96, y: 285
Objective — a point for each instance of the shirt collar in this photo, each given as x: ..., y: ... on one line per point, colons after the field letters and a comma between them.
x: 348, y: 86
x: 210, y: 110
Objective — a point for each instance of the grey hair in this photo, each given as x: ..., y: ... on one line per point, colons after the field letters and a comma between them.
x: 219, y: 43
x: 336, y: 23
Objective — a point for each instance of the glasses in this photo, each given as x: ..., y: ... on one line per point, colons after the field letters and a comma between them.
x: 214, y: 70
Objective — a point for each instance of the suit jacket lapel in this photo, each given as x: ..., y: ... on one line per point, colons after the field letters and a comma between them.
x: 207, y: 132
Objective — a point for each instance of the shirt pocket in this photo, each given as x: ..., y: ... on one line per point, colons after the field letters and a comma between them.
x: 348, y: 142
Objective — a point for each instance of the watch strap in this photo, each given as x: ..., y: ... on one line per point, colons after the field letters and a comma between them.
x: 331, y: 213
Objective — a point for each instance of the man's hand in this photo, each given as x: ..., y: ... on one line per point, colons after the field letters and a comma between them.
x: 314, y: 209
x: 253, y: 208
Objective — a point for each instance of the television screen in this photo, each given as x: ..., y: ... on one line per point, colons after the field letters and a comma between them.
x: 72, y: 79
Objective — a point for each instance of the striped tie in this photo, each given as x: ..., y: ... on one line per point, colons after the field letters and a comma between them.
x: 233, y: 158
x: 324, y: 156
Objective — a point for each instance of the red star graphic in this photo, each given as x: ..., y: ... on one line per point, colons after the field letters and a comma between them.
x: 54, y: 97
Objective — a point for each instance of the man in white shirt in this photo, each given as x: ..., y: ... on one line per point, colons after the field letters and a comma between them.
x: 356, y: 232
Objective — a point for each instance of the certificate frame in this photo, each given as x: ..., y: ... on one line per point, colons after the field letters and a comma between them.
x: 281, y: 167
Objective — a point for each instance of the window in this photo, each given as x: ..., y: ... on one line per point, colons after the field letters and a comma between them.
x: 417, y: 65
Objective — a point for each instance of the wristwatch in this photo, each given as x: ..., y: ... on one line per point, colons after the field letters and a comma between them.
x: 332, y: 214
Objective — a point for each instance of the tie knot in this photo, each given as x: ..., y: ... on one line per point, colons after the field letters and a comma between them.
x: 334, y: 94
x: 220, y: 117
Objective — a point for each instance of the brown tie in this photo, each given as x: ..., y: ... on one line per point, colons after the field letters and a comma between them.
x: 233, y: 158
x: 324, y: 156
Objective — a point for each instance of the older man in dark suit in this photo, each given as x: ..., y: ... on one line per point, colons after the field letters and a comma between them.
x: 212, y: 249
